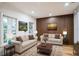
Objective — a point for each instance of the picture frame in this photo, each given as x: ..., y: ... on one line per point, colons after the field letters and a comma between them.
x: 23, y: 26
x: 52, y: 26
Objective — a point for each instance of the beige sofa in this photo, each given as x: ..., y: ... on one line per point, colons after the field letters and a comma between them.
x: 52, y: 39
x: 26, y: 44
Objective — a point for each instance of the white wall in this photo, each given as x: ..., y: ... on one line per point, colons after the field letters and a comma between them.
x: 13, y: 12
x: 76, y: 25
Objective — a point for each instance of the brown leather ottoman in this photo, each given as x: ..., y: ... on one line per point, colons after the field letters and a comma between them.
x: 42, y: 48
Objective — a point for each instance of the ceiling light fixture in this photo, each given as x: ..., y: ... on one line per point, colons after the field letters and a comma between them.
x: 33, y: 12
x: 50, y: 14
x: 66, y: 4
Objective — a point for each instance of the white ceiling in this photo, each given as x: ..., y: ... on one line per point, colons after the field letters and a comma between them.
x: 42, y: 9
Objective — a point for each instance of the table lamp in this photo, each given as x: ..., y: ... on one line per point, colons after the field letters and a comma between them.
x: 65, y: 36
x: 64, y: 32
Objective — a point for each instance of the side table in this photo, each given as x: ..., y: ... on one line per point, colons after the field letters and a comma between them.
x: 9, y: 50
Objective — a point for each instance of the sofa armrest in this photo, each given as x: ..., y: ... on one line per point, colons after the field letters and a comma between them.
x: 36, y: 37
x: 41, y: 37
x: 61, y: 38
x: 18, y: 46
x: 16, y: 42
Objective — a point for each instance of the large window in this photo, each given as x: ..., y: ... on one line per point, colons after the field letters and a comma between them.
x: 9, y: 26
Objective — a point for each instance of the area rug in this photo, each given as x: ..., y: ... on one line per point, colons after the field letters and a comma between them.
x: 56, y: 51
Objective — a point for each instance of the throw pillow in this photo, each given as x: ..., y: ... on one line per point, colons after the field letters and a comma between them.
x: 57, y: 36
x: 19, y: 39
x: 31, y: 37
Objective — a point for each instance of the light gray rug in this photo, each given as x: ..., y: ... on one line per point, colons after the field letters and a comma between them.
x: 56, y: 51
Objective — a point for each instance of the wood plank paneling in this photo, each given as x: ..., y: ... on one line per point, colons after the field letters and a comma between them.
x: 63, y: 22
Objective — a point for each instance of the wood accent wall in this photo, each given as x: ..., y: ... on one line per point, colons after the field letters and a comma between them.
x: 64, y: 22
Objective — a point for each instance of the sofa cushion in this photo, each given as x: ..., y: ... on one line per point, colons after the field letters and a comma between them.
x: 54, y: 40
x: 31, y: 37
x: 51, y: 35
x: 25, y: 38
x: 19, y: 39
x: 27, y: 43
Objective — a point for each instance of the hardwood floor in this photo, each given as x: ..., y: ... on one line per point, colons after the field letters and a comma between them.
x: 68, y: 50
x: 65, y: 50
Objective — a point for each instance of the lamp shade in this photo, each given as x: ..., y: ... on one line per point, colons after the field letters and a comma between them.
x: 64, y: 32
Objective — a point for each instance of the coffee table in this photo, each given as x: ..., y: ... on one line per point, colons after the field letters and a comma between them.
x: 45, y: 48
